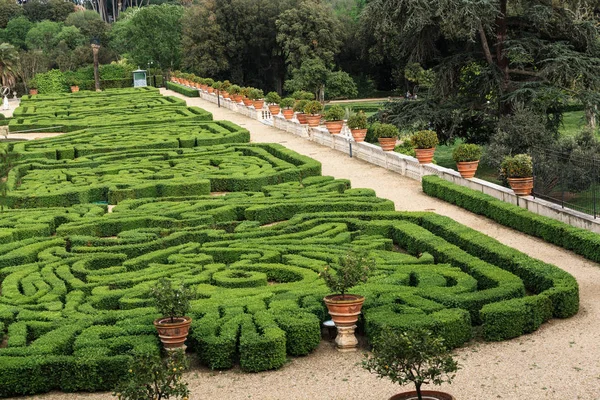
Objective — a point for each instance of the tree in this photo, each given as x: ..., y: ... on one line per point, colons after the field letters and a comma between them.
x: 31, y: 63
x: 315, y: 77
x: 90, y: 25
x: 43, y: 36
x: 9, y: 9
x: 37, y: 10
x: 9, y: 62
x: 16, y: 31
x: 309, y: 31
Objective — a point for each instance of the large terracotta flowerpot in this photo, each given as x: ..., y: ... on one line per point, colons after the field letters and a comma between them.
x: 74, y: 89
x: 387, y: 144
x: 258, y: 104
x: 467, y: 169
x: 426, y: 394
x: 247, y: 102
x: 225, y: 94
x: 359, y: 134
x: 301, y: 118
x: 237, y: 98
x: 211, y: 89
x: 274, y: 109
x: 521, y: 186
x: 334, y: 127
x: 288, y: 113
x: 425, y: 156
x: 313, y: 120
x: 173, y: 334
x: 33, y: 91
x: 344, y: 311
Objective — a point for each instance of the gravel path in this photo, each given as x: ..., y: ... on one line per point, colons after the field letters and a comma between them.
x: 559, y: 361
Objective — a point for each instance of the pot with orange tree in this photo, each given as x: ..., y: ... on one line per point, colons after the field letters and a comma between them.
x: 424, y: 143
x: 273, y: 100
x: 358, y: 126
x: 519, y: 172
x: 467, y: 156
x: 352, y: 268
x: 235, y: 92
x: 172, y: 303
x: 334, y: 119
x: 287, y: 104
x: 245, y: 92
x: 209, y: 85
x: 313, y: 109
x: 387, y: 136
x: 225, y: 89
x: 299, y: 109
x: 256, y: 95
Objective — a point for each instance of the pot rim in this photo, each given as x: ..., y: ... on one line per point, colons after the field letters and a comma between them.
x: 178, y: 321
x: 357, y: 298
x: 433, y: 393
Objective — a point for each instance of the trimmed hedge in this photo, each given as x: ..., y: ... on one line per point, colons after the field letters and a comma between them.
x: 184, y: 90
x: 580, y: 241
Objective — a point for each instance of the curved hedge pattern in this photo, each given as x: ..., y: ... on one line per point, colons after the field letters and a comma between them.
x: 251, y: 238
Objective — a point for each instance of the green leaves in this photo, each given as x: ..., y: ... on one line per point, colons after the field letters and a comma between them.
x: 172, y: 301
x: 353, y: 268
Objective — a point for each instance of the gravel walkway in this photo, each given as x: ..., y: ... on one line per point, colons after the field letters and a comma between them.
x: 559, y: 361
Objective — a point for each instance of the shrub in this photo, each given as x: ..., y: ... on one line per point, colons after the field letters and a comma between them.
x: 335, y: 113
x: 466, y: 153
x: 209, y: 82
x: 235, y: 89
x: 273, y: 98
x: 51, y: 82
x: 171, y: 302
x: 299, y: 105
x: 353, y: 268
x: 519, y: 166
x: 184, y: 90
x: 226, y: 85
x: 218, y: 85
x: 256, y: 94
x: 313, y: 107
x: 303, y: 95
x: 245, y: 91
x: 287, y: 102
x: 386, y: 131
x: 358, y: 121
x: 424, y: 139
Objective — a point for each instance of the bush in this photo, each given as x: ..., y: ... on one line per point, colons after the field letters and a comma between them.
x: 335, y: 113
x: 386, y: 131
x: 424, y: 140
x: 519, y: 166
x: 273, y: 98
x: 299, y: 105
x: 235, y: 89
x: 51, y: 82
x: 287, y: 102
x: 313, y: 107
x: 353, y: 268
x: 303, y: 95
x: 358, y: 121
x: 466, y: 153
x: 171, y: 302
x: 184, y: 90
x: 256, y: 94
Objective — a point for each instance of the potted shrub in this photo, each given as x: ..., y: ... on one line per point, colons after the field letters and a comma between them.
x: 151, y: 378
x: 353, y: 268
x: 358, y: 126
x: 287, y: 104
x: 246, y: 96
x: 387, y: 136
x: 256, y: 95
x: 225, y: 89
x: 74, y: 84
x: 424, y: 143
x: 217, y: 87
x: 519, y: 172
x: 313, y: 109
x: 173, y: 303
x: 33, y: 87
x: 299, y: 109
x: 210, y: 82
x: 273, y: 99
x: 235, y: 92
x: 415, y: 356
x: 467, y: 158
x: 334, y: 119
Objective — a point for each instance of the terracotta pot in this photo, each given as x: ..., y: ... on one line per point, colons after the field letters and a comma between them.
x: 334, y: 127
x: 258, y: 104
x: 173, y: 334
x: 387, y: 144
x: 301, y: 118
x: 467, y: 169
x: 225, y: 95
x: 426, y: 394
x: 247, y: 102
x: 425, y: 156
x: 274, y: 109
x: 521, y: 186
x: 288, y: 113
x: 344, y: 312
x: 313, y: 120
x: 33, y: 91
x: 74, y: 89
x: 359, y: 134
x: 211, y: 89
x: 237, y: 98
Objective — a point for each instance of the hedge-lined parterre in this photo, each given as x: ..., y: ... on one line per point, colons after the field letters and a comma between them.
x: 83, y: 96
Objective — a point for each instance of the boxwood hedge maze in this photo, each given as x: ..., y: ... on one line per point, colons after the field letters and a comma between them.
x: 249, y: 226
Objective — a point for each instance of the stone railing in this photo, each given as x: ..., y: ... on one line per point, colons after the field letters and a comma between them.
x: 405, y: 165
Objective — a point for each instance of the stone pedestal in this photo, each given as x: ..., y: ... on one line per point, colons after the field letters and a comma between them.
x: 345, y: 340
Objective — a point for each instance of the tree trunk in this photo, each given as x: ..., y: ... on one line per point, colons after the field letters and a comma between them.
x: 95, y: 49
x: 419, y: 395
x: 591, y: 113
x: 501, y: 60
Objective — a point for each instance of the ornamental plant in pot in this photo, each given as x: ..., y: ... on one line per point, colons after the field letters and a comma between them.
x: 225, y: 89
x: 424, y: 143
x: 467, y: 156
x: 287, y: 105
x: 312, y: 109
x: 245, y: 92
x: 173, y: 303
x: 74, y: 84
x: 353, y: 268
x: 519, y: 172
x: 299, y: 109
x: 273, y: 100
x: 387, y: 135
x: 217, y: 87
x: 210, y: 82
x: 256, y: 95
x: 235, y: 92
x: 33, y: 87
x: 416, y: 356
x: 334, y: 119
x: 358, y: 126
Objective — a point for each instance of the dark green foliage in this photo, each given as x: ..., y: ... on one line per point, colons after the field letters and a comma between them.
x: 519, y: 166
x: 424, y: 139
x: 171, y: 302
x: 184, y: 90
x: 466, y: 153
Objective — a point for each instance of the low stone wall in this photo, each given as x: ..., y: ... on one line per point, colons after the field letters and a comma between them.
x: 407, y: 166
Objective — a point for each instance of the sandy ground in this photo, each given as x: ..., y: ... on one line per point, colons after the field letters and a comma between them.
x: 559, y: 361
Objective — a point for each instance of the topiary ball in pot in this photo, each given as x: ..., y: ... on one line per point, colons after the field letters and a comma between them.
x: 387, y: 135
x: 519, y: 172
x: 467, y: 158
x: 334, y: 119
x: 424, y: 143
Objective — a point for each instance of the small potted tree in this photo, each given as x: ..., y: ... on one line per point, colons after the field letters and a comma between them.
x: 387, y: 136
x: 353, y: 268
x: 235, y: 92
x: 334, y: 119
x: 217, y: 87
x: 256, y: 95
x: 173, y: 303
x: 287, y: 104
x: 209, y: 85
x: 225, y: 89
x: 358, y: 126
x: 467, y: 157
x: 273, y: 100
x: 415, y: 356
x: 313, y: 109
x: 33, y: 87
x: 519, y: 172
x: 74, y: 83
x: 424, y: 143
x: 299, y: 109
x: 245, y: 92
x: 151, y: 378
